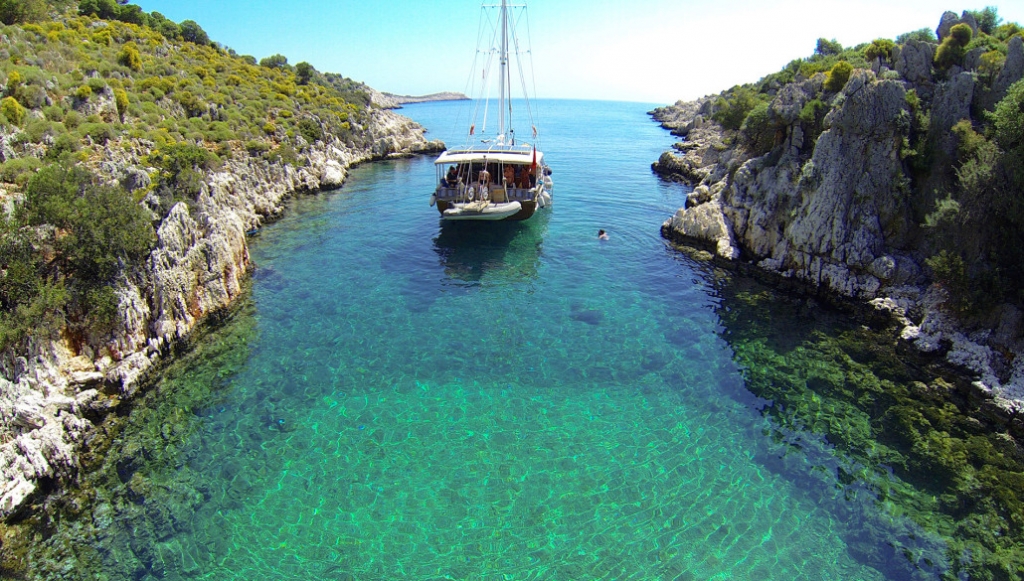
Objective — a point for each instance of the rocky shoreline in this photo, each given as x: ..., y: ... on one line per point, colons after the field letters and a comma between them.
x: 54, y: 391
x: 833, y: 214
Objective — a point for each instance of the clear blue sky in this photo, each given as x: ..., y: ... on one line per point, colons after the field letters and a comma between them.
x: 653, y: 51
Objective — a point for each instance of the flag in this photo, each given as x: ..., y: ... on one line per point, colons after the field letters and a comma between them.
x: 533, y: 165
x: 534, y: 131
x: 472, y: 128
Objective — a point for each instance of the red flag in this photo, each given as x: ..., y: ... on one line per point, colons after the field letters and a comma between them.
x: 472, y: 128
x: 533, y: 165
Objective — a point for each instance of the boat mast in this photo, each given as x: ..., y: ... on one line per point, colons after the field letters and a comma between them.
x: 503, y: 60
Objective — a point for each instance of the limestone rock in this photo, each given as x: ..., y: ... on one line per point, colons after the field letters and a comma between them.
x: 968, y: 19
x: 952, y: 103
x: 948, y: 21
x: 1012, y: 71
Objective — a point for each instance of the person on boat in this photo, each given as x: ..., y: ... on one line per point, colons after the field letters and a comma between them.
x: 602, y: 235
x: 484, y: 179
x: 521, y: 180
x: 510, y: 176
x: 452, y: 178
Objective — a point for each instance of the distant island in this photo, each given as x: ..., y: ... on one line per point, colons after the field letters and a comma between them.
x: 400, y: 100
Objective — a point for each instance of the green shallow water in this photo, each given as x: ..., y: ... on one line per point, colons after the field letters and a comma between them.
x: 399, y: 399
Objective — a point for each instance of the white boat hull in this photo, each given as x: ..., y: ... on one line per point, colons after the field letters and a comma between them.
x: 481, y: 211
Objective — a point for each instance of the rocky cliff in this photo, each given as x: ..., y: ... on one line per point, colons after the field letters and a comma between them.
x: 52, y: 391
x: 836, y: 208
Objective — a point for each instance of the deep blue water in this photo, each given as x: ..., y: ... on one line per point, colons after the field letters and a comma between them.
x: 497, y: 401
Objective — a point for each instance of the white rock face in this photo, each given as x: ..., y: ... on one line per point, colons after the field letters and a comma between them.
x: 198, y: 266
x: 836, y: 215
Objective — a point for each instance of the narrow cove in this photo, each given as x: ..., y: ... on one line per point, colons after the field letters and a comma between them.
x: 400, y: 399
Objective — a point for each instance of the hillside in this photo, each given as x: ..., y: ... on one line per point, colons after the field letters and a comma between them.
x: 889, y: 175
x: 135, y: 156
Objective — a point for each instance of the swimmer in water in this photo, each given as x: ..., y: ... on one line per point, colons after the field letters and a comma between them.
x: 602, y: 235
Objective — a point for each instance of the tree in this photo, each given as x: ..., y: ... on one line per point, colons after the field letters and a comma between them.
x: 880, y: 48
x: 304, y: 71
x: 192, y: 32
x: 17, y: 11
x: 836, y: 78
x: 277, y: 61
x: 828, y: 47
x: 920, y: 35
x: 987, y: 19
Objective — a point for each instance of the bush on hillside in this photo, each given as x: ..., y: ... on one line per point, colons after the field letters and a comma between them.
x: 18, y: 11
x: 954, y: 47
x: 758, y: 131
x: 828, y: 47
x: 987, y: 19
x: 733, y: 106
x: 920, y: 35
x: 837, y: 76
x: 276, y: 61
x: 880, y: 48
x: 12, y: 110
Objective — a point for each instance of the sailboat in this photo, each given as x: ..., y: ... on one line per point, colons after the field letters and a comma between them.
x: 495, y: 176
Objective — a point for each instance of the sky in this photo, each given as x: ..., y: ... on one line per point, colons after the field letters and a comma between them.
x: 649, y: 51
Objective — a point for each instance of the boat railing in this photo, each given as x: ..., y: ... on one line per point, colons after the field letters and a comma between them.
x: 462, y: 193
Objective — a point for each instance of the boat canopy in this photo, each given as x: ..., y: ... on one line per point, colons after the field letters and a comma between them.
x: 518, y: 155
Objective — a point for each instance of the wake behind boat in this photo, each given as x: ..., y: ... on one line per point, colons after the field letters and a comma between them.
x: 496, y: 178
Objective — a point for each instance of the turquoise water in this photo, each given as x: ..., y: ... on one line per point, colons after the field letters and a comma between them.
x: 500, y: 402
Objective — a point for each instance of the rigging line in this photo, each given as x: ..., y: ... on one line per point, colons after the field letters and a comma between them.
x: 519, y: 66
x: 533, y: 75
x: 471, y: 80
x: 485, y: 86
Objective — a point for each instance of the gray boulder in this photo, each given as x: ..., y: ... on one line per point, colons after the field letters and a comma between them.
x: 968, y: 19
x: 951, y: 104
x: 914, y: 62
x: 948, y: 20
x: 1013, y: 68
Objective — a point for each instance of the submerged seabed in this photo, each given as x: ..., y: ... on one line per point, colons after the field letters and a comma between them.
x: 400, y: 400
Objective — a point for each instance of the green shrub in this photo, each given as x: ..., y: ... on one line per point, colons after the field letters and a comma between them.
x: 63, y: 144
x: 730, y: 109
x: 19, y: 170
x: 826, y: 47
x: 880, y: 48
x: 312, y: 132
x: 920, y: 35
x: 276, y: 61
x: 99, y: 133
x: 987, y: 19
x: 954, y: 47
x: 130, y: 57
x: 121, y: 100
x: 83, y: 93
x: 304, y: 73
x: 961, y: 34
x: 1008, y: 118
x: 18, y: 11
x: 837, y: 76
x: 31, y: 96
x: 757, y: 130
x: 190, y: 31
x: 72, y: 120
x: 103, y: 231
x: 12, y: 110
x: 948, y: 270
x: 54, y: 113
